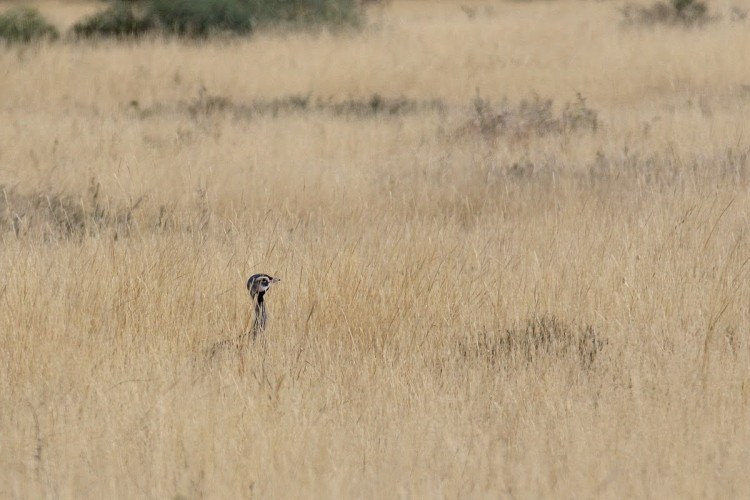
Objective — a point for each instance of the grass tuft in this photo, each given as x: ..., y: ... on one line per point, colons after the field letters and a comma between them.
x: 538, y: 340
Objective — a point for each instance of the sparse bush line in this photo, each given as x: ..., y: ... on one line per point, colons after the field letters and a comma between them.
x: 204, y: 18
x: 206, y: 104
x: 530, y: 117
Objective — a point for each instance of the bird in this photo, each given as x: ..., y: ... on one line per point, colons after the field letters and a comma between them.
x: 257, y: 286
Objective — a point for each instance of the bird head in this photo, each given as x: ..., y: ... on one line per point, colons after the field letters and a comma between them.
x: 260, y: 283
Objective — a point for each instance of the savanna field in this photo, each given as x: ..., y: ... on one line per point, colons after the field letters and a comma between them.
x: 512, y: 237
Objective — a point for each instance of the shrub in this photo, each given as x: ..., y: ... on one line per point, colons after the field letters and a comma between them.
x: 119, y: 20
x: 674, y: 12
x: 335, y: 13
x: 200, y: 18
x: 531, y: 117
x: 577, y: 116
x: 24, y: 25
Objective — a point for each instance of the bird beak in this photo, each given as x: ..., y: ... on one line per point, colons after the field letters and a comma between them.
x: 275, y: 280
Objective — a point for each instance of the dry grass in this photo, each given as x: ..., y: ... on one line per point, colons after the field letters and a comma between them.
x: 558, y: 313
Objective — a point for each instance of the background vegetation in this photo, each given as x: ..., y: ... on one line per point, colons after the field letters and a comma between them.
x: 514, y: 251
x: 189, y: 18
x: 24, y: 24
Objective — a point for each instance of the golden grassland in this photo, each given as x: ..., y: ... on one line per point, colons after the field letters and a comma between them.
x: 465, y: 310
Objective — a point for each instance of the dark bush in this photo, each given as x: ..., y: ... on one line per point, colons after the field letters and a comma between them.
x: 119, y: 20
x: 200, y: 18
x: 674, y: 12
x: 577, y: 116
x: 335, y: 13
x: 24, y: 25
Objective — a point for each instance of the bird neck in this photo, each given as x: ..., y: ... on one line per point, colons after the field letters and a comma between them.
x: 260, y: 315
x: 260, y: 308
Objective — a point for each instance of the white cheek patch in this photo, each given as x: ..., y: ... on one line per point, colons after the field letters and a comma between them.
x: 259, y: 283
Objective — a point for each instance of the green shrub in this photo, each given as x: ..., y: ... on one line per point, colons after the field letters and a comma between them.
x: 119, y: 20
x: 334, y: 13
x: 200, y: 18
x: 24, y: 25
